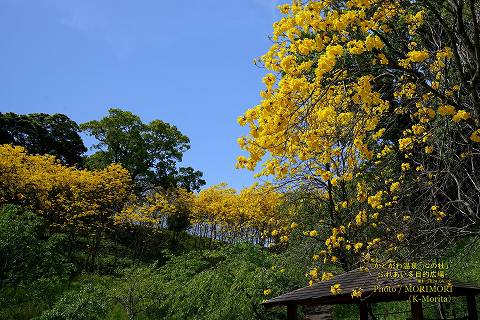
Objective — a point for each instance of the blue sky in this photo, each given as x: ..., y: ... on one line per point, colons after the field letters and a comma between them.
x: 185, y: 62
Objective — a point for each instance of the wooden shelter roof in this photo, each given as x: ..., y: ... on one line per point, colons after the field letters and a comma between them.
x: 369, y: 281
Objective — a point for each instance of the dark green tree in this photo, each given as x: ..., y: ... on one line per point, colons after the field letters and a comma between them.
x: 149, y: 151
x: 42, y: 133
x: 190, y: 179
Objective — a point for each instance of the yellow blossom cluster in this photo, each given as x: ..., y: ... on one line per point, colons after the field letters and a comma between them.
x: 251, y: 214
x: 62, y: 195
x: 156, y: 207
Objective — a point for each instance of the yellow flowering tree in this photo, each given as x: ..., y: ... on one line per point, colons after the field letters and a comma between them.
x: 251, y: 215
x: 150, y: 212
x: 75, y: 202
x: 213, y: 208
x: 373, y: 106
x: 63, y: 195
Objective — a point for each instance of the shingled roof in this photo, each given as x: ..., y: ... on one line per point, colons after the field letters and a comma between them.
x: 369, y: 281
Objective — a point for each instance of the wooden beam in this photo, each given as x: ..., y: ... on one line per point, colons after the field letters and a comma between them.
x: 363, y: 311
x: 472, y: 307
x: 291, y: 311
x: 417, y: 311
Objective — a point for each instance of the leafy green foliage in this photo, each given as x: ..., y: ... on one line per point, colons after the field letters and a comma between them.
x: 137, y: 290
x: 42, y: 133
x: 235, y: 275
x: 190, y: 179
x: 85, y: 303
x: 26, y: 255
x: 227, y: 283
x: 33, y: 269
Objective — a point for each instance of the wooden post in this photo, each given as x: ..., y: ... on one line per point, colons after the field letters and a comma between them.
x: 363, y: 311
x: 417, y: 311
x: 472, y: 307
x: 291, y: 311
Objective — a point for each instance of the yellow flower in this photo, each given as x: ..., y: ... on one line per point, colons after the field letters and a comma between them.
x: 242, y: 121
x: 357, y: 293
x: 285, y: 8
x: 358, y: 246
x: 440, y: 215
x: 327, y: 276
x: 335, y: 289
x: 418, y: 129
x: 475, y: 137
x: 267, y: 292
x: 446, y: 110
x: 405, y: 143
x: 417, y: 56
x: 405, y: 166
x: 394, y: 186
x: 400, y: 236
x: 294, y: 225
x: 334, y: 181
x: 373, y: 42
x: 361, y: 218
x: 461, y: 115
x: 313, y: 233
x: 375, y: 201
